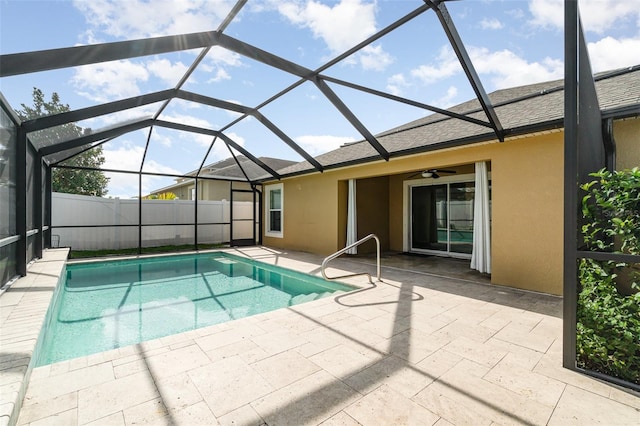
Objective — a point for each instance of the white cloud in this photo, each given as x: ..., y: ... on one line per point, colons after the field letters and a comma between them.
x: 184, y: 104
x: 509, y: 69
x: 187, y: 119
x: 506, y: 69
x: 220, y: 75
x: 374, y: 58
x: 490, y: 24
x: 236, y: 138
x: 610, y: 53
x: 200, y: 139
x: 396, y: 84
x: 129, y: 157
x: 596, y: 15
x: 146, y: 111
x: 159, y: 137
x: 148, y: 18
x: 220, y: 56
x: 318, y: 144
x: 110, y: 80
x: 170, y: 73
x: 232, y: 113
x: 448, y: 100
x: 216, y: 64
x: 220, y: 150
x: 515, y: 13
x: 547, y: 13
x: 447, y: 65
x: 340, y: 26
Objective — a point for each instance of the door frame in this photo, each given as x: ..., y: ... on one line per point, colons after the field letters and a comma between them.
x: 406, y: 211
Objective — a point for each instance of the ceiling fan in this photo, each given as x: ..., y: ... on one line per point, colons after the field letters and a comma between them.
x: 432, y: 173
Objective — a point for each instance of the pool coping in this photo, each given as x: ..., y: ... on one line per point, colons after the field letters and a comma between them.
x: 23, y: 308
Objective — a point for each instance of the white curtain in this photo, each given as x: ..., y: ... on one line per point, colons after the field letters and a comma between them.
x: 352, y: 228
x: 481, y: 253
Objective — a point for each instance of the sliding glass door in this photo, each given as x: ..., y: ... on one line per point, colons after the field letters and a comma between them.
x: 441, y: 219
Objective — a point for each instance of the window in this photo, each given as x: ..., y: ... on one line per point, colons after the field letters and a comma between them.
x: 274, y: 207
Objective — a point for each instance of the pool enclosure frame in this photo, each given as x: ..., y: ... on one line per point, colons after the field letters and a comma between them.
x: 586, y: 149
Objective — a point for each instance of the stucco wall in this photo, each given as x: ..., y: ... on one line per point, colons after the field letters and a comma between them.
x: 527, y: 216
x: 310, y: 214
x: 527, y: 203
x: 372, y: 199
x: 627, y: 136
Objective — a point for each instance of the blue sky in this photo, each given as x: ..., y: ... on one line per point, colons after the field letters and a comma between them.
x: 511, y: 43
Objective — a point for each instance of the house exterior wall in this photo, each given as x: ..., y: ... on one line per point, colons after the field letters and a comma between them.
x: 183, y: 192
x: 310, y: 217
x: 527, y: 203
x: 627, y: 136
x: 372, y: 206
x: 210, y: 190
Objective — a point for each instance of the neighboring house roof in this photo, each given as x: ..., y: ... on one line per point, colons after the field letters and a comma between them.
x: 521, y: 110
x: 228, y: 169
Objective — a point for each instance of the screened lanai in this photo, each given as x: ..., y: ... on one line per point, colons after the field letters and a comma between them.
x: 211, y: 108
x: 156, y: 119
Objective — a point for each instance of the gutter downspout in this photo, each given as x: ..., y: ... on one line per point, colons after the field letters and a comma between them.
x: 609, y: 143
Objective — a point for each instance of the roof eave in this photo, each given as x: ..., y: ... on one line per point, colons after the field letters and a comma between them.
x: 471, y: 140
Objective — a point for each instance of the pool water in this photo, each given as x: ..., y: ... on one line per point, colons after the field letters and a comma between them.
x: 105, y: 305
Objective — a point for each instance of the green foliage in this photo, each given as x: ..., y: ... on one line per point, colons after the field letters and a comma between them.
x: 609, y: 322
x: 161, y: 196
x: 72, y: 181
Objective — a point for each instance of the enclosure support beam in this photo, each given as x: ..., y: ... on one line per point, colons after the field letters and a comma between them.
x: 570, y: 183
x: 231, y: 214
x: 93, y: 137
x: 45, y: 60
x: 48, y: 121
x: 260, y: 215
x: 406, y: 101
x: 21, y: 202
x: 465, y: 61
x: 38, y: 219
x: 48, y: 188
x: 195, y: 215
x: 350, y: 116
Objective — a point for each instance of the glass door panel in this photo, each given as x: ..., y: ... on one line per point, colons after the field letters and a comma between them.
x: 461, y: 197
x: 429, y: 217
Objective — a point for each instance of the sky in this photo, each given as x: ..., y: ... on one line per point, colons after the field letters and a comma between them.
x: 511, y: 43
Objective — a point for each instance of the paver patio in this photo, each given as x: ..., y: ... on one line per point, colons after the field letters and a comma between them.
x: 415, y: 349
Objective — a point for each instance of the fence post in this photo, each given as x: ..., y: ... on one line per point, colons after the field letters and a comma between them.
x: 116, y: 222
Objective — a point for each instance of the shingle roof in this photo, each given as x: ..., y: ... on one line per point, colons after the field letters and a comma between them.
x: 520, y: 109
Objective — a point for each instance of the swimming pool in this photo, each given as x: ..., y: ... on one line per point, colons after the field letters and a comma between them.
x: 109, y: 304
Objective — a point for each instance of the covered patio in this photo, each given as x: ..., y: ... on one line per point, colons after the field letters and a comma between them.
x: 416, y: 348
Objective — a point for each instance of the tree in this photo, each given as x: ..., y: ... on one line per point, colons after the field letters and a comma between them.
x: 72, y: 181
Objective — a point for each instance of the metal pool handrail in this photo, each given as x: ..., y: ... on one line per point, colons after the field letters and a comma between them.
x: 344, y: 250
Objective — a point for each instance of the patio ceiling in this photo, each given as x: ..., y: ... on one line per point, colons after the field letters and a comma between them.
x: 55, y: 151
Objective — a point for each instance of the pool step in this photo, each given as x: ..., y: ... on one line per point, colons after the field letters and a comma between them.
x: 309, y: 297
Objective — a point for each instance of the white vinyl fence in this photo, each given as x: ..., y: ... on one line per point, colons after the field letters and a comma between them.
x: 81, y: 210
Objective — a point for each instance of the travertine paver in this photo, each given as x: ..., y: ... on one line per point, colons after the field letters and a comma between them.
x: 385, y: 406
x: 417, y: 349
x: 23, y: 307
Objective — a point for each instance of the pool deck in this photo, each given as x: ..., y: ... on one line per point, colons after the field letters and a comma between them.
x: 416, y: 348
